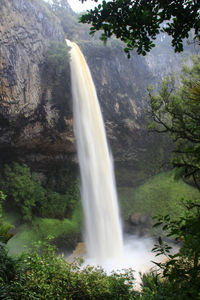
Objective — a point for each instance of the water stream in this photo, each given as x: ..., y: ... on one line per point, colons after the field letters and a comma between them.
x: 103, y: 232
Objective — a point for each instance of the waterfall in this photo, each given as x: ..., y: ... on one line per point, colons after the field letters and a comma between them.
x: 103, y: 233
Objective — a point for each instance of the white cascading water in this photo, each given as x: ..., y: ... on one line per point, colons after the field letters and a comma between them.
x: 103, y: 235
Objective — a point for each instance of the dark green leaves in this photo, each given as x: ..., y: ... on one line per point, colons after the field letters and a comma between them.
x: 177, y: 111
x: 44, y: 275
x: 137, y: 23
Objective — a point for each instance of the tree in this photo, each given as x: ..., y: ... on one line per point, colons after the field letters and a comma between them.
x: 44, y: 275
x: 4, y: 226
x: 181, y: 269
x: 177, y: 111
x: 138, y: 22
x: 23, y: 189
x: 58, y: 57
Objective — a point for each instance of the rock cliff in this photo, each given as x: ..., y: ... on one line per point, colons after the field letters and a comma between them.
x: 122, y: 89
x: 31, y: 123
x: 35, y: 123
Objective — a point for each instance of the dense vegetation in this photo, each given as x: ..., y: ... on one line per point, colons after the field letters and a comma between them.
x: 56, y: 75
x: 40, y: 209
x: 137, y: 23
x: 177, y: 112
x: 161, y: 194
x: 27, y: 196
x: 52, y: 207
x: 58, y: 56
x: 41, y: 274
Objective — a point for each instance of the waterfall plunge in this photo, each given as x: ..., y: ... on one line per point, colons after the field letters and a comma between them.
x: 103, y: 235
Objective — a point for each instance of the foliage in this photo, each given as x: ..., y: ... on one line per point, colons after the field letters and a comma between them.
x: 65, y: 232
x: 195, y: 92
x: 43, y: 275
x: 161, y: 194
x: 182, y: 269
x: 153, y: 287
x: 31, y: 200
x: 59, y: 178
x: 56, y: 78
x: 58, y: 206
x: 62, y: 198
x: 8, y: 264
x: 23, y: 189
x: 177, y: 111
x: 58, y: 57
x: 137, y: 23
x: 62, y: 190
x: 4, y: 226
x: 26, y: 193
x: 56, y: 227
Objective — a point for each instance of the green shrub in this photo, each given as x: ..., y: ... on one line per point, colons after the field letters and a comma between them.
x: 54, y: 206
x: 58, y: 57
x: 182, y: 269
x: 26, y: 194
x: 66, y: 232
x: 161, y: 194
x: 153, y: 287
x: 4, y: 226
x: 23, y: 189
x: 43, y: 275
x: 8, y: 265
x: 59, y: 206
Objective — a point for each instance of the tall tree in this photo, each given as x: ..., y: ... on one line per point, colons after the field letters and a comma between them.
x: 138, y: 22
x: 177, y: 111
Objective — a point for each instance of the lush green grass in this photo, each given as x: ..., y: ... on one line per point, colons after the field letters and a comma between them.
x: 159, y: 195
x: 11, y: 217
x: 55, y: 227
x: 41, y: 228
x: 24, y: 237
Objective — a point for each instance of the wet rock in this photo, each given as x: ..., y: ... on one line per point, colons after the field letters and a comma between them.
x: 34, y: 120
x: 138, y: 219
x: 30, y: 119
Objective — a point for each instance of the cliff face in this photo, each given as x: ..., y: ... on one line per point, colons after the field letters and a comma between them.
x: 118, y: 82
x: 30, y: 120
x: 35, y: 123
x: 122, y: 89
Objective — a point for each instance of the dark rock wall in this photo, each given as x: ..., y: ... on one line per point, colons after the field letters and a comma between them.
x: 32, y: 125
x: 121, y: 85
x: 36, y: 126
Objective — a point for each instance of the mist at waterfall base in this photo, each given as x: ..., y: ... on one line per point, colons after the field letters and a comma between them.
x: 103, y: 231
x: 136, y: 254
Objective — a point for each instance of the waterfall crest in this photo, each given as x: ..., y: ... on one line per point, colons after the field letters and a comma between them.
x: 103, y: 233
